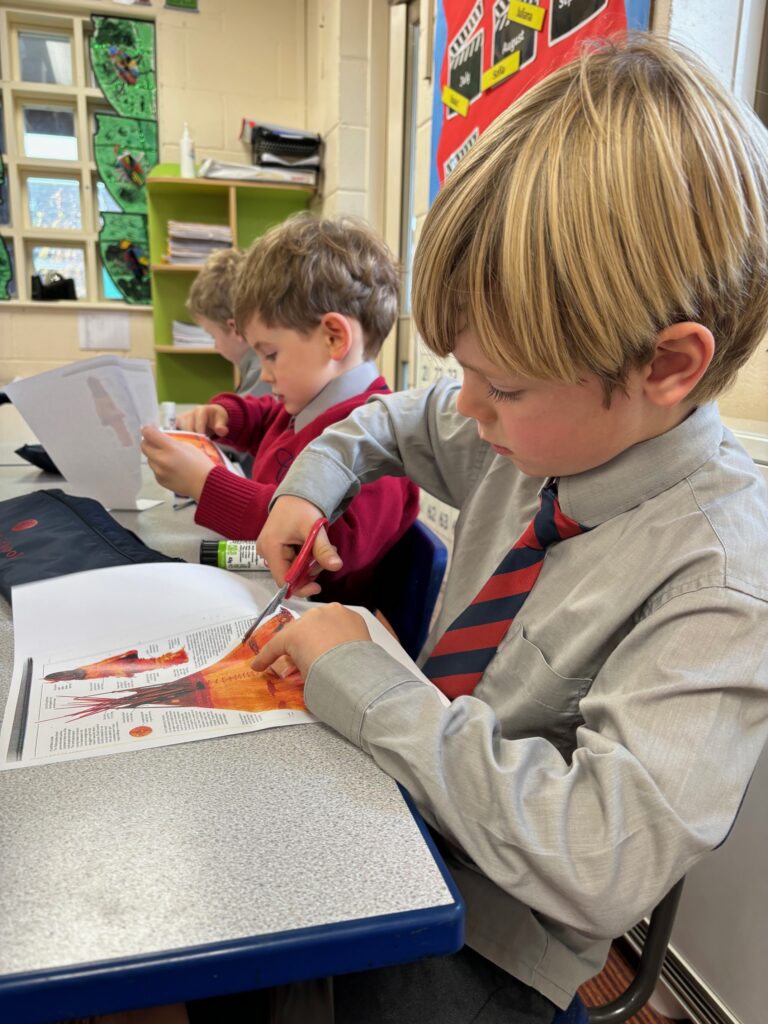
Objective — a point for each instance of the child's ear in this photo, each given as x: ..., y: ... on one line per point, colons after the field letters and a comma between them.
x: 683, y: 354
x: 337, y: 333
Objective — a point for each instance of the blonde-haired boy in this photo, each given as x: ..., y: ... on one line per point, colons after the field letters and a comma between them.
x: 315, y: 300
x: 211, y: 301
x: 598, y: 264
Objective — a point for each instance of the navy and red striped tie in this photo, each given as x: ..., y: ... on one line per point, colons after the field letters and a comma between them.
x: 463, y: 652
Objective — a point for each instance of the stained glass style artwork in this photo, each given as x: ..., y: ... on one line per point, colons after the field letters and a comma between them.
x: 5, y: 203
x: 125, y: 149
x: 124, y: 247
x: 7, y: 289
x: 123, y: 60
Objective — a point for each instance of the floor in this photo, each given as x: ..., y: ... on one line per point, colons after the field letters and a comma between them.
x: 614, y: 979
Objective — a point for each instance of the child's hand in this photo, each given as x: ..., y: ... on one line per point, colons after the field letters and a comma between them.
x: 181, y: 468
x: 320, y: 630
x: 212, y: 420
x: 287, y: 527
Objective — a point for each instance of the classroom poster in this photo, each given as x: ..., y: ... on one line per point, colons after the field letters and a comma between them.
x: 489, y: 52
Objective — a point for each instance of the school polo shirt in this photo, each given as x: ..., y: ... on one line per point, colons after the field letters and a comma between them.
x: 609, y: 743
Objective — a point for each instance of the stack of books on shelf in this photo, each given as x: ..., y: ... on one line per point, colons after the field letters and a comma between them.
x: 190, y: 336
x: 193, y: 243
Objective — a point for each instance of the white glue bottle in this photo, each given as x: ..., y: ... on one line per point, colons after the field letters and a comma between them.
x: 186, y: 154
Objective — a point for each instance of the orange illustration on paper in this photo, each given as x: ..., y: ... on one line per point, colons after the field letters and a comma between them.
x: 229, y: 684
x: 120, y: 666
x: 201, y: 442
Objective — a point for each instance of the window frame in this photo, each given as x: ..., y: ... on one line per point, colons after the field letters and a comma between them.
x: 74, y: 22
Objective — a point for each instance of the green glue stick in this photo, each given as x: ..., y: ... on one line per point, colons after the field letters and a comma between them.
x: 237, y: 555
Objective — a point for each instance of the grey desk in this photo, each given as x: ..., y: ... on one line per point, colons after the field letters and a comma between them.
x: 214, y: 866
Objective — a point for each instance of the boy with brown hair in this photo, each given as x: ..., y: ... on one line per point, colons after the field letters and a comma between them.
x: 211, y: 301
x: 315, y: 299
x: 598, y: 265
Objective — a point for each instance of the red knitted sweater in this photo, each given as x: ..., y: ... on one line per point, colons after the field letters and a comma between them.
x: 237, y: 508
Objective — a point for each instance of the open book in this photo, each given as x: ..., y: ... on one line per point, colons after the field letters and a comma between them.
x: 147, y: 655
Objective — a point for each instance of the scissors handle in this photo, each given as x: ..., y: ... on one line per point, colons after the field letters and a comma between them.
x: 300, y: 572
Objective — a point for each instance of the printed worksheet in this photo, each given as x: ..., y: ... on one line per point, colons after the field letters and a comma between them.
x: 88, y: 417
x: 148, y: 655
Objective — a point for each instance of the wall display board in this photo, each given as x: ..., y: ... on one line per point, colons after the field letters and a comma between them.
x: 486, y: 54
x: 125, y: 146
x: 489, y: 52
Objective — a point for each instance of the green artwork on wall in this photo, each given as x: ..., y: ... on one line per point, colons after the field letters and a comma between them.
x: 124, y: 246
x: 123, y: 60
x: 6, y: 271
x: 126, y: 150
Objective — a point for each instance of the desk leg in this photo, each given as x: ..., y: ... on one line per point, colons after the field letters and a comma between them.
x: 302, y: 1001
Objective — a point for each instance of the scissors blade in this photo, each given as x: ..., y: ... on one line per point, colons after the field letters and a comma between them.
x: 269, y: 609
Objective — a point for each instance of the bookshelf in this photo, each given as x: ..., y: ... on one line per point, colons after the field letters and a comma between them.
x: 250, y: 208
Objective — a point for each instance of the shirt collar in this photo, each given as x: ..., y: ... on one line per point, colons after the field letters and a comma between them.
x: 352, y: 382
x: 642, y: 471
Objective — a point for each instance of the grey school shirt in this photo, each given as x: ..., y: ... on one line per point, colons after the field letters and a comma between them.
x: 609, y: 743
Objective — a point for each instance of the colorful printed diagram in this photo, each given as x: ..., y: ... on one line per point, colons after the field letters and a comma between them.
x: 203, y: 444
x: 228, y: 684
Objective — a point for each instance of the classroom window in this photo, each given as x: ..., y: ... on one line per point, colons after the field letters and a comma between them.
x: 52, y: 199
x: 54, y: 203
x: 67, y: 261
x: 45, y: 58
x: 49, y: 133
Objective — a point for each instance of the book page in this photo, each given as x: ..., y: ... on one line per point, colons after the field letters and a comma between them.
x: 147, y: 655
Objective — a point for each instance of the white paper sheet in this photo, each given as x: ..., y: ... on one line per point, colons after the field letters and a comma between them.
x: 171, y: 623
x: 88, y: 416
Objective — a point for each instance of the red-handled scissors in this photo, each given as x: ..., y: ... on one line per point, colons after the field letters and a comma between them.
x: 300, y: 573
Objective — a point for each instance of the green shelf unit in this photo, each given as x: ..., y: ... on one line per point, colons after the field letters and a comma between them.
x: 191, y: 376
x: 250, y: 208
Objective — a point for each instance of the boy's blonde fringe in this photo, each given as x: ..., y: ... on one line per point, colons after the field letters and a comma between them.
x: 625, y: 192
x: 213, y: 290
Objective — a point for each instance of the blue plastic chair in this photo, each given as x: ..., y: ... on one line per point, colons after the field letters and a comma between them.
x: 407, y: 583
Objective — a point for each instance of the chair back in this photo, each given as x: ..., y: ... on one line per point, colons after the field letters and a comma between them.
x: 634, y: 998
x: 407, y: 583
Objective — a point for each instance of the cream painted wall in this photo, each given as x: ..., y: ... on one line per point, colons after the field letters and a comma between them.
x: 346, y: 71
x: 234, y: 59
x: 735, y: 62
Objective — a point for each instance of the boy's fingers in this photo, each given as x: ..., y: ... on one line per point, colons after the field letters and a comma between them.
x: 151, y: 437
x: 326, y: 555
x: 220, y: 426
x: 270, y: 652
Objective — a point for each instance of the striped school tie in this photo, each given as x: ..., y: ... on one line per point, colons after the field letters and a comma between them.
x: 463, y: 652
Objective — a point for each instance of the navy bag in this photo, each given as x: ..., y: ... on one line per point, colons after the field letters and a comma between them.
x: 49, y: 533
